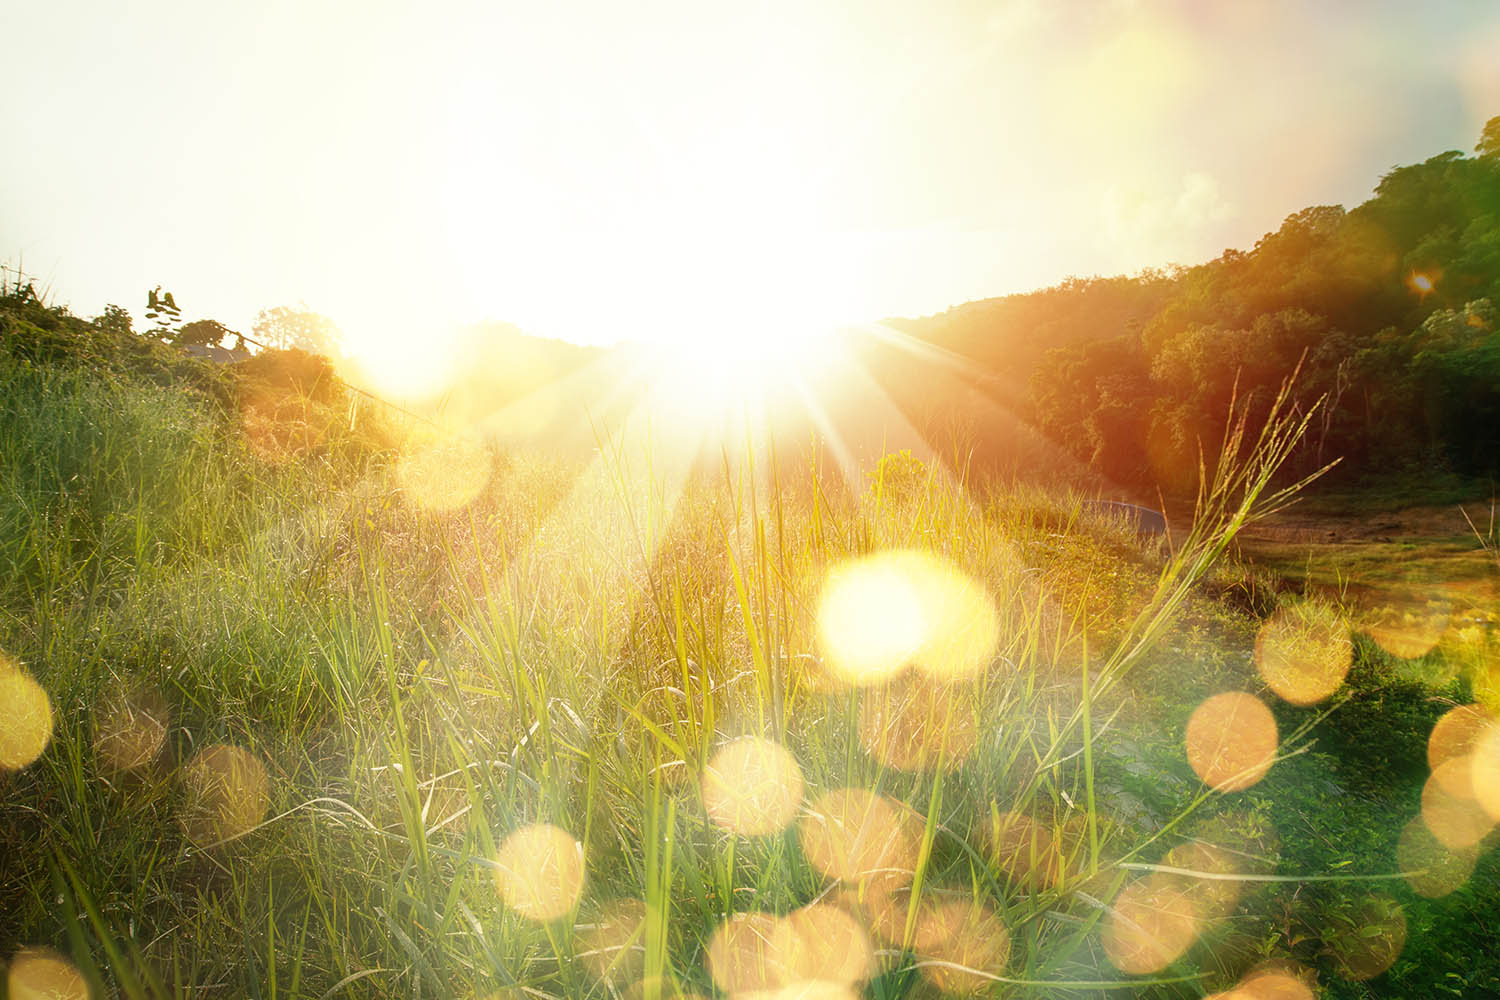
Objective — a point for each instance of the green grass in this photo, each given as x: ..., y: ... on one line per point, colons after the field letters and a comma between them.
x: 571, y: 648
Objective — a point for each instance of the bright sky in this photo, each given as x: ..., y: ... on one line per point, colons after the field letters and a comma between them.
x: 605, y: 170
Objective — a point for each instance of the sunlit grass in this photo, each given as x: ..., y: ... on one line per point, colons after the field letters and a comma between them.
x: 564, y: 730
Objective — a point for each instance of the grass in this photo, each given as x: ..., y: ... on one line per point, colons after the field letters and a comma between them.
x: 572, y: 647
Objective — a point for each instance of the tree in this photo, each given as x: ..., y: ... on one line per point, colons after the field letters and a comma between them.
x: 1489, y: 140
x: 202, y: 333
x: 115, y: 319
x: 163, y: 312
x: 298, y: 326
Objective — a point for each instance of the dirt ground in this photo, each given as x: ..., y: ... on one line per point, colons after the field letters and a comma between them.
x: 1408, y: 571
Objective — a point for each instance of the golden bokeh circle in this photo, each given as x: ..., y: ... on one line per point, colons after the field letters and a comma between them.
x: 539, y: 871
x: 825, y: 942
x: 1278, y: 981
x: 228, y: 794
x: 963, y: 945
x: 1432, y: 868
x: 1453, y: 736
x: 853, y: 834
x: 1151, y: 924
x: 747, y: 953
x: 1231, y: 741
x: 1484, y: 770
x: 1449, y: 808
x: 753, y: 787
x: 881, y: 613
x: 28, y: 713
x: 43, y: 974
x: 1303, y: 652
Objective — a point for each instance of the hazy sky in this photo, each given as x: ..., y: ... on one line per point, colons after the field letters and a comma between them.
x: 605, y: 170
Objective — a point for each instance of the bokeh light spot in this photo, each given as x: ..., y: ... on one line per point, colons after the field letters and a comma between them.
x: 1278, y: 981
x: 852, y: 834
x: 1432, y: 868
x: 1231, y: 741
x: 1449, y: 808
x: 445, y: 474
x: 1151, y: 924
x: 753, y: 787
x: 228, y: 794
x: 28, y: 716
x: 884, y: 612
x: 1484, y: 770
x: 43, y: 974
x: 540, y: 871
x: 1453, y: 737
x: 1303, y: 652
x: 963, y: 945
x: 130, y: 729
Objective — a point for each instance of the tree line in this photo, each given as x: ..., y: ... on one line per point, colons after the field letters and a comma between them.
x: 1389, y: 311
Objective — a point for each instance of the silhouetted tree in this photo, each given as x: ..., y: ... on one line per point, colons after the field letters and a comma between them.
x: 298, y: 326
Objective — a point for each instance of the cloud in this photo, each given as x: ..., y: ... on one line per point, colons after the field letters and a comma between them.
x: 1178, y: 224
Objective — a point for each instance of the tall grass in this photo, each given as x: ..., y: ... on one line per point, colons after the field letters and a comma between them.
x: 570, y: 648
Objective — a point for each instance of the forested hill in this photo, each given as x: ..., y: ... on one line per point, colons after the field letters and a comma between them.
x: 1391, y: 307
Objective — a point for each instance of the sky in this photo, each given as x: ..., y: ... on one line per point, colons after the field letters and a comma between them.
x: 599, y: 171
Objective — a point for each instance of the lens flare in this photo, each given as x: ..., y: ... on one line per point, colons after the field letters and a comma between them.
x: 852, y: 834
x: 611, y: 946
x: 1432, y: 869
x: 539, y: 872
x: 228, y: 794
x: 915, y: 723
x: 818, y: 950
x: 884, y: 612
x: 1453, y: 737
x: 1277, y: 981
x: 1374, y: 936
x: 446, y: 474
x: 746, y: 952
x: 1231, y: 741
x: 43, y: 974
x: 131, y: 729
x: 1484, y: 770
x: 752, y: 787
x: 1303, y: 651
x: 1409, y: 628
x: 28, y: 713
x: 962, y: 945
x: 1449, y: 808
x: 1151, y: 924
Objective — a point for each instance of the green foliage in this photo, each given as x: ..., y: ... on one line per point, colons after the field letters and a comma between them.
x: 1385, y: 308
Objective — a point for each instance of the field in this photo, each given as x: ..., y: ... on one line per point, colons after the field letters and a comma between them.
x: 340, y: 710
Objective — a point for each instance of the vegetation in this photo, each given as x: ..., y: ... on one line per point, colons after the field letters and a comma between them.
x: 324, y: 694
x: 1389, y: 309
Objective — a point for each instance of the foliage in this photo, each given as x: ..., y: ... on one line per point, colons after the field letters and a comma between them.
x: 298, y: 326
x: 1387, y: 308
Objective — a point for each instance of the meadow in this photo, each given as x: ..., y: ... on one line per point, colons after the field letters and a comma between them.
x: 324, y: 704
